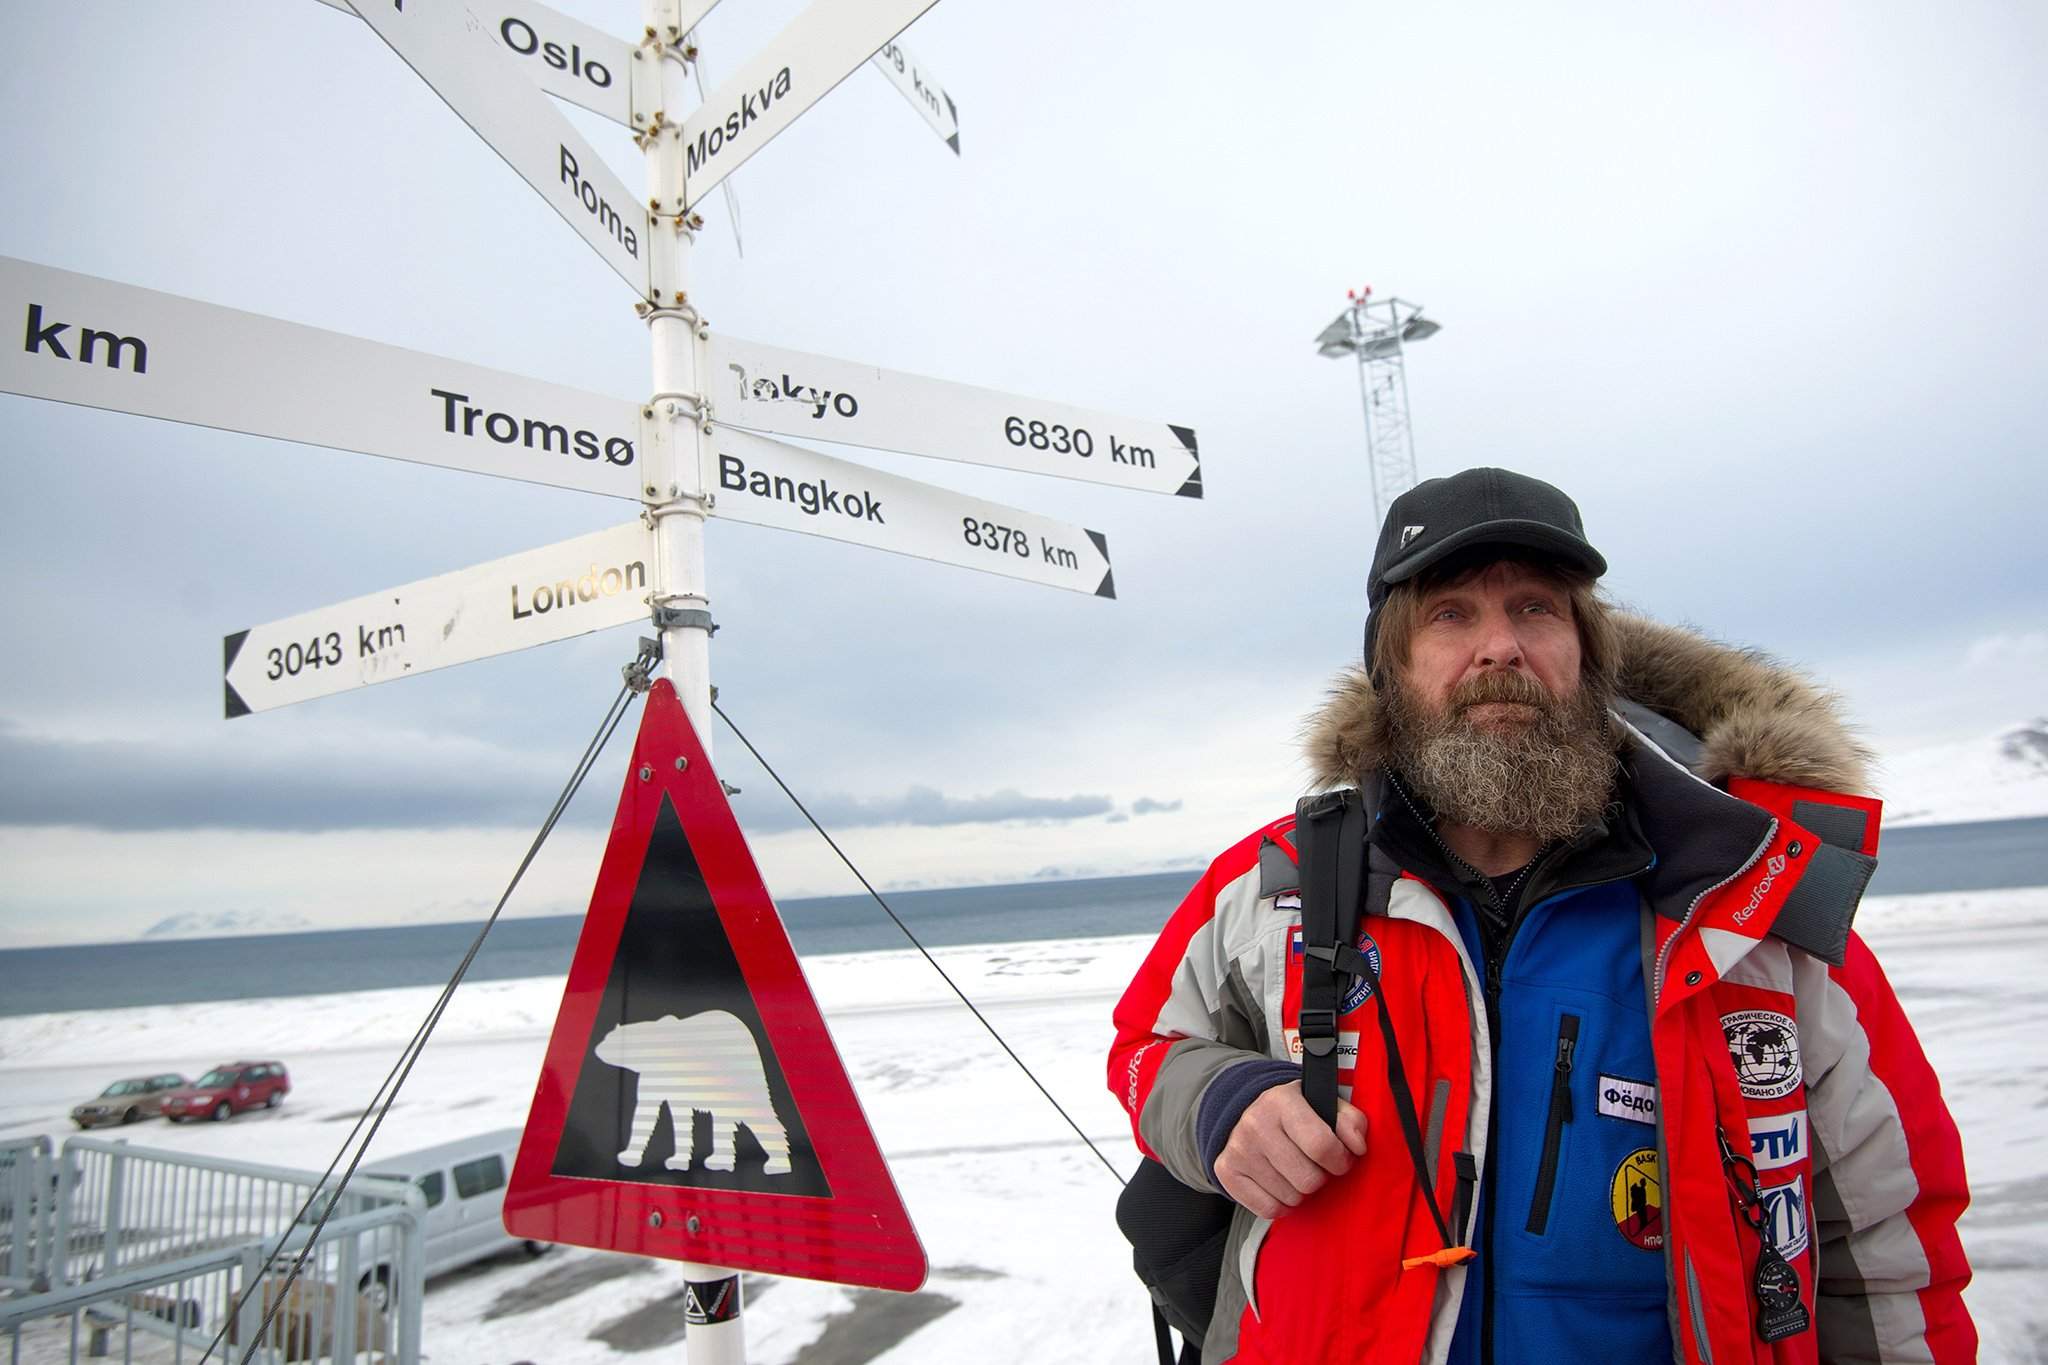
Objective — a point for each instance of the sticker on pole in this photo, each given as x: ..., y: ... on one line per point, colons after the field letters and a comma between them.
x: 691, y: 1104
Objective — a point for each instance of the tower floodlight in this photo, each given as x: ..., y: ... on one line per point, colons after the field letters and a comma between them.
x: 1377, y: 332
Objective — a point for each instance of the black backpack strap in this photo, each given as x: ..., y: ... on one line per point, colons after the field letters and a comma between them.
x: 1329, y: 831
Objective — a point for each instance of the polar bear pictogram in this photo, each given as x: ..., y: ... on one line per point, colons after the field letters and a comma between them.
x: 706, y: 1062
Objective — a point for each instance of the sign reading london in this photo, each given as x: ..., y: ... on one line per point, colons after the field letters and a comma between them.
x: 531, y: 598
x: 450, y: 48
x: 789, y: 393
x: 105, y: 345
x: 820, y: 48
x: 767, y: 483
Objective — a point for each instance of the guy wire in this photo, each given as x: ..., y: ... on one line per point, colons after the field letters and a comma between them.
x: 381, y: 1102
x: 932, y: 962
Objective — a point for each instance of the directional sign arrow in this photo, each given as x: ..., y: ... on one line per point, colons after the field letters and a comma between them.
x: 565, y: 57
x: 105, y: 345
x: 923, y: 91
x: 792, y: 394
x: 767, y: 483
x: 450, y: 48
x: 819, y: 49
x: 552, y: 593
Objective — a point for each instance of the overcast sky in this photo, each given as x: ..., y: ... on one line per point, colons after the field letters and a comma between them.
x: 1760, y: 286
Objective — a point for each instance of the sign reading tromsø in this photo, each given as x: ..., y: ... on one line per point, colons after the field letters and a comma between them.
x: 531, y: 598
x: 793, y: 394
x: 819, y: 49
x: 450, y: 48
x: 565, y: 57
x: 107, y: 345
x: 767, y: 483
x: 923, y: 91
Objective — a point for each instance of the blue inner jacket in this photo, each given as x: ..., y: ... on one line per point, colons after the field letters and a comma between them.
x: 1577, y: 1268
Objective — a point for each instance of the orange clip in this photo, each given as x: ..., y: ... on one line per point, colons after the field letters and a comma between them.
x: 1442, y: 1260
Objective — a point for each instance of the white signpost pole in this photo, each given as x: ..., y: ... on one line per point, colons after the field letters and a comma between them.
x: 674, y: 430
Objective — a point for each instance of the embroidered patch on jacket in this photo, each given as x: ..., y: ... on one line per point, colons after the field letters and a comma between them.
x: 1777, y: 1141
x: 1621, y: 1098
x: 1765, y: 1047
x: 1786, y: 1206
x: 1638, y: 1199
x: 1361, y: 985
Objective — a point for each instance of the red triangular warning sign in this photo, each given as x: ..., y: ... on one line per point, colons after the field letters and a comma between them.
x: 692, y: 1104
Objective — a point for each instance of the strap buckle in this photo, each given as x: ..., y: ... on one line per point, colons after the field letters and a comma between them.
x: 1318, y: 1030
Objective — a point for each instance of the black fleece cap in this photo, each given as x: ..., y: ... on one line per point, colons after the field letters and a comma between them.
x: 1475, y: 507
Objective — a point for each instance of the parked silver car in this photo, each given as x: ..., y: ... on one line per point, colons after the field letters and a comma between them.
x: 139, y: 1097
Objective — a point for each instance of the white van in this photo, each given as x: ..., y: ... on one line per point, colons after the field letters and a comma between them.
x: 463, y: 1183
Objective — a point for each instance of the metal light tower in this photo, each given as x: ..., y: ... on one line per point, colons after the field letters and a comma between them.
x: 1377, y: 332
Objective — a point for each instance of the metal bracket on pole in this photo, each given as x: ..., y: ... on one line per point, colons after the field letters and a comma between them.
x: 640, y: 672
x: 667, y: 617
x: 643, y: 91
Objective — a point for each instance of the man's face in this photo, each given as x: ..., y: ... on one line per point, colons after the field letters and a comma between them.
x: 1488, y: 719
x: 1505, y: 619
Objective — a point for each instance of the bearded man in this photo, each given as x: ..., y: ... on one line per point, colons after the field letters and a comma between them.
x: 1660, y: 1102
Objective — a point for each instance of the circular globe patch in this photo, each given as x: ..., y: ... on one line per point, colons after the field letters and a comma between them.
x: 1765, y: 1048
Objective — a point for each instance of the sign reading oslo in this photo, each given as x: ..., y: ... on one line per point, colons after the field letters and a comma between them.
x: 789, y: 393
x: 105, y: 345
x: 531, y: 598
x: 767, y: 483
x: 692, y: 1104
x: 451, y: 49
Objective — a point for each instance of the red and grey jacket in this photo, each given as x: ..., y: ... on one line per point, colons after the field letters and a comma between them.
x: 1768, y: 1016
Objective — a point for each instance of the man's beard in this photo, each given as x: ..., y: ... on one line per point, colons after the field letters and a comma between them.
x: 1545, y: 776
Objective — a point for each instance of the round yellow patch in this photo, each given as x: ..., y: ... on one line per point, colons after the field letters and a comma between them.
x: 1638, y: 1199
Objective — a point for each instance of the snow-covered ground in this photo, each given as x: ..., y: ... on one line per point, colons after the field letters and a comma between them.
x: 1015, y: 1214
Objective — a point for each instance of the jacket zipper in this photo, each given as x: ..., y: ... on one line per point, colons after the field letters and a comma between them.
x: 1553, y: 1127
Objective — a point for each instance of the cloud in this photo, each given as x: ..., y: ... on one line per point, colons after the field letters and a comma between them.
x: 384, y: 780
x: 1145, y: 805
x: 922, y: 805
x: 2006, y: 649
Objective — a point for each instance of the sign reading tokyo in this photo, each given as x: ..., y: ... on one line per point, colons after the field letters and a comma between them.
x: 767, y: 483
x: 766, y: 388
x: 819, y: 49
x: 569, y: 588
x: 450, y: 48
x: 691, y: 1104
x: 105, y: 345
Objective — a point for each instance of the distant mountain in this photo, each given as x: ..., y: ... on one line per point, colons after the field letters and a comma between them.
x: 2001, y: 776
x: 220, y: 923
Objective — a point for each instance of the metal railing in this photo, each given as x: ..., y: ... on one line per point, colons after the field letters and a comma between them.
x: 155, y: 1244
x: 28, y: 1208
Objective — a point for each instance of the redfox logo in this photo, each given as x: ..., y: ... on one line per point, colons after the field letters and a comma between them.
x: 1763, y: 888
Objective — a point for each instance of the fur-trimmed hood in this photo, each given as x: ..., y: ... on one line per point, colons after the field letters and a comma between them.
x: 1754, y: 716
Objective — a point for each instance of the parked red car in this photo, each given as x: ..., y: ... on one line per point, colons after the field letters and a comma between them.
x: 227, y: 1090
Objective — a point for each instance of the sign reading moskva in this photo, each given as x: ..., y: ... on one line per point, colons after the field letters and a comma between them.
x: 450, y: 48
x: 768, y: 483
x: 819, y: 49
x: 107, y: 345
x: 792, y: 394
x: 531, y: 598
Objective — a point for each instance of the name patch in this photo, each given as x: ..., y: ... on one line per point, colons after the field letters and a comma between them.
x: 1621, y: 1098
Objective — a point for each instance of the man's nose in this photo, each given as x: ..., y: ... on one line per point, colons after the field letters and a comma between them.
x: 1499, y: 645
